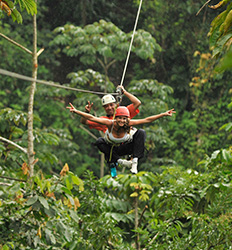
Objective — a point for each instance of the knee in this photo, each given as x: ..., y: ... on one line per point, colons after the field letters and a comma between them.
x: 100, y: 140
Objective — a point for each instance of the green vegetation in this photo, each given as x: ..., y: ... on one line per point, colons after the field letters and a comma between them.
x: 182, y: 196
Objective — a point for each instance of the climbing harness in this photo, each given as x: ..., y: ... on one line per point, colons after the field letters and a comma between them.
x: 130, y: 138
x: 49, y: 83
x: 116, y: 142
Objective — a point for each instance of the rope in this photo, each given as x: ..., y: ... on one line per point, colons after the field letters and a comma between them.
x: 132, y: 38
x: 49, y: 83
x: 111, y: 150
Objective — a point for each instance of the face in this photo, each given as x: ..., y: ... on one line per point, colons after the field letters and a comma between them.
x: 109, y: 108
x: 121, y: 120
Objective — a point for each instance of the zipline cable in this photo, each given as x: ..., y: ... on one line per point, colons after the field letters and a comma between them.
x: 49, y: 83
x: 132, y: 38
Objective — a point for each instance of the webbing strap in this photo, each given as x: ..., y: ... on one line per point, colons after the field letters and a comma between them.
x: 111, y: 150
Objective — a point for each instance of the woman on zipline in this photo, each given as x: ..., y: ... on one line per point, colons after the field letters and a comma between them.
x: 119, y: 138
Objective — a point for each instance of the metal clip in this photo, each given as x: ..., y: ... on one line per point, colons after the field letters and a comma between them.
x: 118, y: 98
x: 119, y: 92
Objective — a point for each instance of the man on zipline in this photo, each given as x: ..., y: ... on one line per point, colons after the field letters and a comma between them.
x: 109, y: 104
x: 136, y: 149
x: 119, y: 137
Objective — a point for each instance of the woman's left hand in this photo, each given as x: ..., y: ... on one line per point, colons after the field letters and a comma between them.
x: 170, y: 112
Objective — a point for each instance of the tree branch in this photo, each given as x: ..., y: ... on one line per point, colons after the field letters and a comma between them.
x: 102, y: 64
x: 110, y: 63
x: 91, y: 134
x: 203, y: 7
x: 5, y: 184
x: 40, y: 52
x: 142, y: 215
x: 152, y: 240
x: 10, y: 178
x: 15, y: 43
x: 14, y: 144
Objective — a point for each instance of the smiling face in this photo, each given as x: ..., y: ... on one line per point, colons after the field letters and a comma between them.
x: 122, y: 121
x: 109, y: 108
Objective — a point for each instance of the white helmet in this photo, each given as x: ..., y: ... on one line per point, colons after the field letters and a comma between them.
x: 106, y: 99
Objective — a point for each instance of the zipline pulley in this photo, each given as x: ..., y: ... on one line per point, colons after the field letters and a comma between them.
x: 119, y: 94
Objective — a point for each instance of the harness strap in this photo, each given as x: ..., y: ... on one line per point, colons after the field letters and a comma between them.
x: 111, y: 150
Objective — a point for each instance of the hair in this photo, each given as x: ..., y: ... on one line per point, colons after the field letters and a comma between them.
x: 126, y: 126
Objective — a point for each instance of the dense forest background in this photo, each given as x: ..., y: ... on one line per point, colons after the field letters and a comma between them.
x: 181, y: 197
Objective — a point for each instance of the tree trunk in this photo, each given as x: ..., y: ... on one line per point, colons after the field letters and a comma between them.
x: 102, y: 165
x: 137, y: 222
x: 31, y: 101
x: 102, y: 159
x: 83, y: 12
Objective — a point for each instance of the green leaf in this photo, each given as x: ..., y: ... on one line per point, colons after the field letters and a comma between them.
x: 30, y: 6
x: 36, y: 240
x: 68, y: 182
x: 67, y: 191
x: 61, y: 226
x: 44, y: 202
x: 31, y: 201
x: 225, y: 63
x: 116, y: 216
x: 68, y: 235
x: 16, y: 16
x: 50, y: 212
x: 5, y: 247
x: 226, y: 127
x: 2, y: 148
x: 106, y: 51
x: 215, y: 154
x: 226, y: 155
x: 144, y: 197
x: 135, y: 194
x: 76, y: 180
x: 50, y: 236
x: 74, y: 216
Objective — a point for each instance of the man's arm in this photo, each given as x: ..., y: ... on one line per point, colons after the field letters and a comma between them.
x: 135, y: 101
x: 87, y: 110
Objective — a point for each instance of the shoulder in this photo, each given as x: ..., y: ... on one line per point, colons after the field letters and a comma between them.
x: 132, y: 110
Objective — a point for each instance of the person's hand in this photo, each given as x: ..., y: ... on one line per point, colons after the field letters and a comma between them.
x: 71, y: 108
x: 170, y: 112
x: 88, y: 107
x: 120, y: 89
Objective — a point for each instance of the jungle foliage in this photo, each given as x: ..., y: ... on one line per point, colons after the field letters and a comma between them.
x: 181, y: 197
x: 10, y: 8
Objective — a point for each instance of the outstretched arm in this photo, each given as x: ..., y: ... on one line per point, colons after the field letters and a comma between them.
x: 90, y: 117
x: 135, y: 101
x: 151, y: 118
